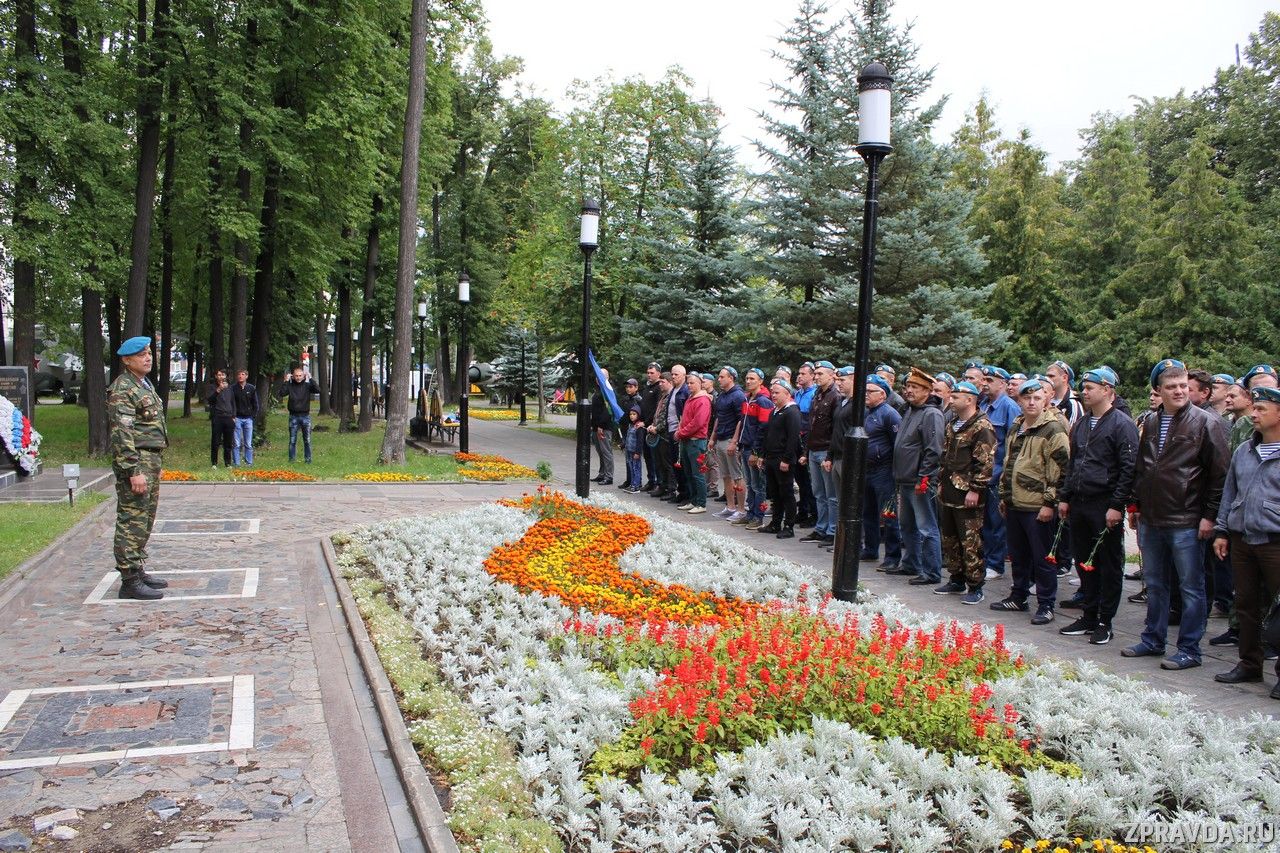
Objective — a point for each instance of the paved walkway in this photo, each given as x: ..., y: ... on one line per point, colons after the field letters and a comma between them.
x: 239, y: 717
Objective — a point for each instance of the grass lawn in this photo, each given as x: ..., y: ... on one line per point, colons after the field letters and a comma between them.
x: 25, y: 528
x: 65, y: 435
x: 563, y: 432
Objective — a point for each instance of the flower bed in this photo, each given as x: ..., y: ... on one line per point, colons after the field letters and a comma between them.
x: 387, y: 477
x: 167, y: 476
x: 606, y: 710
x: 484, y: 466
x: 493, y: 414
x: 271, y: 475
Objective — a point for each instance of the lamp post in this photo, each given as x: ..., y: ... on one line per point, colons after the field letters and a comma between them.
x: 464, y: 367
x: 588, y: 240
x: 874, y: 89
x: 522, y: 380
x: 422, y: 351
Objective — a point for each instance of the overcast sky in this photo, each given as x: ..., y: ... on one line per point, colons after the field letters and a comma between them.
x: 1046, y: 66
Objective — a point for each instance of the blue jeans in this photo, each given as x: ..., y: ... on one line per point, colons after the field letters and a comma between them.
x: 243, y: 439
x: 690, y: 450
x: 824, y: 494
x: 995, y: 545
x: 1166, y: 550
x: 880, y: 492
x: 921, y: 538
x: 757, y: 491
x: 299, y: 423
x: 633, y: 469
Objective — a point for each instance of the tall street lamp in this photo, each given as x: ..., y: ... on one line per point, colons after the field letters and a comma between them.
x: 422, y: 351
x: 875, y: 86
x: 523, y: 338
x: 464, y: 297
x: 588, y: 240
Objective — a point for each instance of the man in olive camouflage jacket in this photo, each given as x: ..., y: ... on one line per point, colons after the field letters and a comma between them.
x: 138, y: 437
x: 968, y: 459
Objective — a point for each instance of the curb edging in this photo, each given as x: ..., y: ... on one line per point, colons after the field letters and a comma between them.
x: 419, y: 792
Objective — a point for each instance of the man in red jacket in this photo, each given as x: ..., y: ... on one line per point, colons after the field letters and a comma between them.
x: 692, y: 436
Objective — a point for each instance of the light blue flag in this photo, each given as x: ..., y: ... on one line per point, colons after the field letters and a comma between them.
x: 604, y: 386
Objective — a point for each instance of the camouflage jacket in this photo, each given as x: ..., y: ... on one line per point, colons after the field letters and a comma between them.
x: 1035, y: 462
x: 968, y: 459
x: 137, y: 420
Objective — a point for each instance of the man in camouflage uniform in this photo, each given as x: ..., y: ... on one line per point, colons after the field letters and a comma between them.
x: 138, y: 436
x: 968, y: 459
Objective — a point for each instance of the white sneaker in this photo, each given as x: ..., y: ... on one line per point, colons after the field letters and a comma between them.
x: 685, y: 507
x: 697, y: 510
x: 739, y: 515
x: 724, y: 513
x: 992, y: 574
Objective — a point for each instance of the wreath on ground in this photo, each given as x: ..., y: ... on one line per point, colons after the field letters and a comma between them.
x: 21, y: 442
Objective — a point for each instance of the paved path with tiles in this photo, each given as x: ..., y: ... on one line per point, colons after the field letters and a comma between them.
x: 241, y: 714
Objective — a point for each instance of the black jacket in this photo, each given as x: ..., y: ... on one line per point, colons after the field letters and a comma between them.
x: 299, y: 394
x: 841, y: 419
x: 246, y: 400
x: 782, y: 435
x: 1102, y: 461
x: 222, y: 404
x: 601, y: 414
x: 649, y: 396
x: 1183, y: 484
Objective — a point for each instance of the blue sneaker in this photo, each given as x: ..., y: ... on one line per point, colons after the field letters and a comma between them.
x: 1141, y: 650
x: 973, y: 596
x: 1179, y: 660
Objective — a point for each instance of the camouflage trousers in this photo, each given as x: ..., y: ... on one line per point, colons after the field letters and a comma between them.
x: 962, y: 544
x: 136, y: 514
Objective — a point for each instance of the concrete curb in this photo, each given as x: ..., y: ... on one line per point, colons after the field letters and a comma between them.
x: 418, y: 790
x: 13, y: 583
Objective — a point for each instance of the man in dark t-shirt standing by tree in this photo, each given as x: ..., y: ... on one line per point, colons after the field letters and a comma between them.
x: 298, y: 388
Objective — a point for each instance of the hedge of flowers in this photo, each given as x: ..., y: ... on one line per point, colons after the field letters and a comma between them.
x: 606, y: 710
x: 485, y: 466
x: 168, y: 476
x: 386, y: 477
x: 493, y: 414
x: 271, y: 475
x: 21, y: 443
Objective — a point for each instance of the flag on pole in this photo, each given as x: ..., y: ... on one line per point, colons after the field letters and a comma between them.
x: 604, y: 386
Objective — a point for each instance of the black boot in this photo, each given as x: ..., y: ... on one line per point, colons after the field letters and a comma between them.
x: 151, y: 580
x: 132, y: 586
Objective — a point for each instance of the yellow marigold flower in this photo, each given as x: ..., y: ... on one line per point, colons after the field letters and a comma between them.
x: 1042, y: 844
x: 1006, y: 845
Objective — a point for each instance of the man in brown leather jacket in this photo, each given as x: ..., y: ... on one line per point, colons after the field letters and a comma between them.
x: 1181, y: 467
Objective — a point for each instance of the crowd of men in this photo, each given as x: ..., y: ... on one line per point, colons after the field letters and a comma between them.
x: 965, y: 474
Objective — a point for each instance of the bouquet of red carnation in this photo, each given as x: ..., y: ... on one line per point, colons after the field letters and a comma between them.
x: 702, y: 463
x: 1053, y: 549
x: 1087, y: 565
x: 890, y: 511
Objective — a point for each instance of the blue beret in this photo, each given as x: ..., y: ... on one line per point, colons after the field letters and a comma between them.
x: 879, y: 382
x: 1100, y: 376
x: 782, y: 368
x: 732, y: 372
x: 1065, y: 368
x: 946, y: 378
x: 758, y: 372
x: 808, y: 364
x: 1029, y: 386
x: 133, y: 346
x: 1161, y: 367
x: 886, y: 368
x: 784, y: 384
x: 707, y: 377
x: 973, y: 362
x: 847, y: 370
x: 1256, y: 371
x: 1041, y: 378
x: 1265, y: 395
x: 1017, y: 376
x: 966, y: 388
x: 1224, y: 379
x: 828, y: 365
x: 995, y: 372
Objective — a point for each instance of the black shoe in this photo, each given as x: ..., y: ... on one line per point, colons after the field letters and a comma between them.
x: 608, y: 482
x: 786, y: 533
x: 673, y: 498
x: 922, y: 580
x: 1139, y: 597
x: 1064, y: 570
x: 151, y: 580
x: 950, y: 588
x: 649, y: 488
x: 806, y: 522
x: 1044, y: 615
x: 886, y: 565
x: 1101, y: 635
x: 828, y: 539
x: 813, y: 536
x: 1075, y: 602
x: 597, y: 478
x: 775, y: 529
x: 1078, y: 628
x: 1134, y: 576
x: 900, y: 570
x: 624, y: 485
x: 1009, y: 604
x: 722, y: 499
x: 865, y: 556
x: 133, y: 587
x: 1275, y: 691
x: 1239, y: 675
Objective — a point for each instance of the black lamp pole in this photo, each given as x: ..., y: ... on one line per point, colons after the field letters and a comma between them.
x: 874, y: 89
x: 522, y: 380
x: 588, y: 240
x: 422, y: 352
x: 464, y: 367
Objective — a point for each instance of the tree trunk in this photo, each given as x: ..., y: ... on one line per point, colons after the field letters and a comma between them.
x: 262, y: 283
x: 366, y: 317
x: 444, y: 373
x: 192, y: 346
x: 217, y: 332
x: 542, y: 388
x: 323, y: 377
x: 407, y: 251
x: 166, y: 245
x: 93, y: 388
x: 149, y: 73
x: 25, y: 150
x: 342, y: 345
x: 240, y: 280
x: 113, y: 329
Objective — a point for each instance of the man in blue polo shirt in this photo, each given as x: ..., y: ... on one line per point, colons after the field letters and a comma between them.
x: 1001, y: 411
